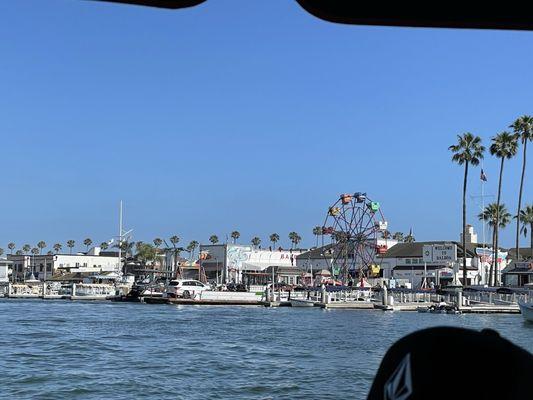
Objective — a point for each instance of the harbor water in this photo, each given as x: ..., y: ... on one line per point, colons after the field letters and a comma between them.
x: 88, y: 350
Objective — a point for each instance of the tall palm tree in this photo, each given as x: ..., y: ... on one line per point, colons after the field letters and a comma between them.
x: 70, y: 244
x: 191, y: 247
x: 213, y: 239
x: 523, y: 127
x: 235, y: 235
x: 11, y: 246
x: 526, y: 218
x: 104, y: 246
x: 468, y: 151
x: 26, y: 248
x: 317, y: 231
x: 57, y: 247
x: 34, y: 251
x: 255, y: 241
x: 398, y: 236
x: 504, y: 146
x: 294, y: 238
x: 158, y: 242
x: 41, y: 245
x: 497, y: 217
x: 175, y: 240
x: 274, y: 238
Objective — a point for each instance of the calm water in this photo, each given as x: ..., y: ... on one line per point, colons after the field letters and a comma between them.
x: 77, y: 350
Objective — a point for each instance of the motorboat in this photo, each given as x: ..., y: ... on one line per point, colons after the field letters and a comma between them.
x: 302, y: 303
x: 527, y: 311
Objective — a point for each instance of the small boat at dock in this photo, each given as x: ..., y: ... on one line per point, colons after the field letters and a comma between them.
x: 302, y: 303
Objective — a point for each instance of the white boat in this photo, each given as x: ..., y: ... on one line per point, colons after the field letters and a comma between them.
x: 527, y: 311
x: 302, y: 303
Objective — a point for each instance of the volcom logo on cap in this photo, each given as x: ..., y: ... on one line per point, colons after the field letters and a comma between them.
x: 400, y: 386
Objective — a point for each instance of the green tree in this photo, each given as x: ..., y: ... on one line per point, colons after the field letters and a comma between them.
x: 274, y: 238
x: 295, y: 239
x: 526, y: 219
x: 497, y: 217
x: 70, y: 244
x: 410, y: 238
x: 468, y: 151
x: 26, y: 248
x: 175, y: 240
x: 87, y: 242
x: 146, y: 253
x: 317, y: 231
x: 57, y: 247
x: 1, y: 252
x: 213, y: 239
x: 255, y: 241
x: 398, y: 236
x: 104, y: 246
x: 504, y: 146
x: 11, y: 246
x: 191, y: 247
x: 41, y: 245
x: 158, y: 242
x: 523, y: 127
x: 35, y: 251
x: 19, y: 252
x: 235, y: 235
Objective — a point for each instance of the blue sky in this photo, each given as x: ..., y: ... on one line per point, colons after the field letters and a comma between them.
x: 247, y: 115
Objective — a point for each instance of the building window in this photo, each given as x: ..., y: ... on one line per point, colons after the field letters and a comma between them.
x: 408, y: 261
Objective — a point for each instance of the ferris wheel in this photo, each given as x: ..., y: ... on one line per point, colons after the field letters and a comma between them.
x: 354, y: 223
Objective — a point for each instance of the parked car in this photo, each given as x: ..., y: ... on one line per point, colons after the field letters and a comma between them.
x: 186, y: 288
x: 236, y: 287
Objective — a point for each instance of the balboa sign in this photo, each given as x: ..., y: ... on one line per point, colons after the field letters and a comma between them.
x: 438, y: 253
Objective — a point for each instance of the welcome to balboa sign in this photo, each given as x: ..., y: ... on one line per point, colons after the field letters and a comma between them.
x: 433, y: 253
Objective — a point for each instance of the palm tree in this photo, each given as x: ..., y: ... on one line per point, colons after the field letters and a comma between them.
x: 34, y: 252
x: 87, y: 242
x: 11, y: 246
x: 526, y: 218
x: 294, y: 238
x: 146, y: 253
x: 213, y: 239
x: 1, y: 251
x: 235, y: 235
x: 175, y: 240
x: 70, y: 244
x: 191, y: 247
x: 158, y: 242
x: 398, y: 236
x: 255, y: 241
x: 468, y: 151
x: 274, y: 238
x: 504, y: 146
x: 104, y: 246
x: 41, y: 245
x: 19, y: 252
x: 497, y: 217
x: 523, y: 128
x: 409, y: 238
x: 317, y: 231
x: 26, y: 248
x: 57, y: 247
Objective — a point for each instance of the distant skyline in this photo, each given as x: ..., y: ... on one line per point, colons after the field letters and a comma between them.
x: 241, y: 115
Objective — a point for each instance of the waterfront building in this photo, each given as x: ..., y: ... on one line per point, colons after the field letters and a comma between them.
x: 243, y: 263
x: 45, y: 266
x: 518, y: 274
x: 321, y: 258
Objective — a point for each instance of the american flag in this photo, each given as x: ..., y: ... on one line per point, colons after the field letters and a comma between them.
x: 483, y: 177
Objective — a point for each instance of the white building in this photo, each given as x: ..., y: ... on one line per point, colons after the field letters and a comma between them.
x: 45, y: 266
x: 242, y: 263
